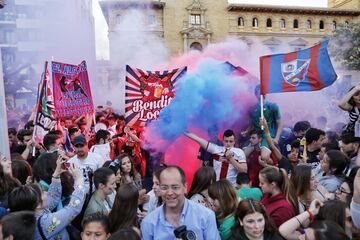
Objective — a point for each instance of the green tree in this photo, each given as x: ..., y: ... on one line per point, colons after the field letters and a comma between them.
x: 345, y: 45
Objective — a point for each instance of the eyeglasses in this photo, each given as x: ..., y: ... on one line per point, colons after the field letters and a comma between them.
x: 342, y: 190
x: 174, y: 188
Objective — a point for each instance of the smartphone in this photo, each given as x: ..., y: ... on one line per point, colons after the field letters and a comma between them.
x: 65, y: 165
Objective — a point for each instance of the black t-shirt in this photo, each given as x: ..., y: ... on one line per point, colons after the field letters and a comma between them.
x: 20, y: 149
x: 285, y: 164
x: 313, y: 157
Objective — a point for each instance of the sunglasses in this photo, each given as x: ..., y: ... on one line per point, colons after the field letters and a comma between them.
x: 79, y: 145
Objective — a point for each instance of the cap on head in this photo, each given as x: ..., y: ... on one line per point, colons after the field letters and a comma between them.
x: 79, y: 140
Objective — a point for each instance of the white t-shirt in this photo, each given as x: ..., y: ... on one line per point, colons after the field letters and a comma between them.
x: 239, y: 156
x: 88, y: 166
x: 151, y: 205
x: 103, y: 150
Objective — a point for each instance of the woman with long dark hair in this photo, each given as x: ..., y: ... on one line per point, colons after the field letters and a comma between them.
x: 225, y: 201
x: 124, y: 211
x: 203, y: 178
x: 330, y: 171
x: 304, y: 182
x: 279, y: 197
x: 345, y: 192
x: 127, y: 171
x: 252, y: 222
x: 7, y: 183
x: 336, y: 211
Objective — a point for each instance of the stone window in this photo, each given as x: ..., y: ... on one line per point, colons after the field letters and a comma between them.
x: 152, y: 20
x: 255, y: 22
x: 195, y: 19
x: 268, y: 23
x: 241, y: 22
x: 308, y: 24
x: 321, y: 24
x: 296, y: 23
x: 282, y: 23
x: 333, y: 25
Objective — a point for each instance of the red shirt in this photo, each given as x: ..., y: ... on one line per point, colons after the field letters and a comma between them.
x: 279, y: 209
x: 254, y: 167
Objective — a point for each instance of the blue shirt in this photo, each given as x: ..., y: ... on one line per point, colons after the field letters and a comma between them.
x: 196, y: 217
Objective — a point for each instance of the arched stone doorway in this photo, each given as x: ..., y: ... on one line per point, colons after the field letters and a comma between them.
x: 196, y: 46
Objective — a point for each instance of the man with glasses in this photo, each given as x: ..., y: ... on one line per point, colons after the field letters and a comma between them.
x: 87, y: 162
x: 177, y: 211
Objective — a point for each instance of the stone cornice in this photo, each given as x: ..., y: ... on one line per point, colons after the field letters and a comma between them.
x: 291, y: 9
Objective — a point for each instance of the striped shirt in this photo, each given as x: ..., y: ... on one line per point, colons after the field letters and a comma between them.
x: 354, y: 114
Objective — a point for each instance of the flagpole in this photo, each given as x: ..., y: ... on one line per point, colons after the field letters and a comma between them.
x: 262, y: 109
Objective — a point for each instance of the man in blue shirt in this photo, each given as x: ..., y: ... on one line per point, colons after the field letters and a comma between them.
x: 177, y: 211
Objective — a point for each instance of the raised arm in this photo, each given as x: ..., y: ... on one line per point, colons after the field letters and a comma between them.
x: 55, y: 190
x: 289, y: 228
x: 54, y: 223
x: 203, y: 143
x: 270, y: 141
x: 131, y: 134
x: 344, y: 102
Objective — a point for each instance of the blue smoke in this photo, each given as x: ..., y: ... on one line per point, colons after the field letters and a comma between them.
x: 202, y: 99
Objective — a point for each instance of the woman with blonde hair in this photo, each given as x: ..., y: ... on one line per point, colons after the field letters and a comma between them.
x: 225, y: 202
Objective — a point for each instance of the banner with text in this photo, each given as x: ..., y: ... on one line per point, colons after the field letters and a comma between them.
x: 72, y: 93
x: 147, y: 93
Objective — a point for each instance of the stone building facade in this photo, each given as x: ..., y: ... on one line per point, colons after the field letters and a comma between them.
x: 193, y: 24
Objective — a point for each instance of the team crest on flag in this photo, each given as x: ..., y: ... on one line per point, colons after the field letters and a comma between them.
x: 147, y: 93
x: 295, y: 71
x: 309, y: 69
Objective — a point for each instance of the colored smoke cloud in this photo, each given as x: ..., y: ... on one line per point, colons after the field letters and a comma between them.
x: 206, y: 97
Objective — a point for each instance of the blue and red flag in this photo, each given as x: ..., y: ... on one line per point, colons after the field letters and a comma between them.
x: 305, y: 70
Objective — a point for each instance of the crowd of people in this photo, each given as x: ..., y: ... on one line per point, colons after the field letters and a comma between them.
x: 93, y: 180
